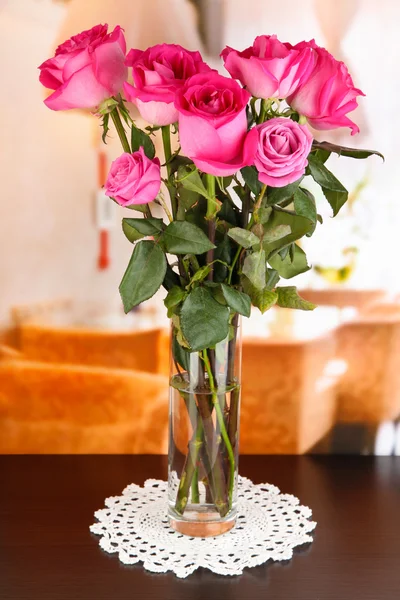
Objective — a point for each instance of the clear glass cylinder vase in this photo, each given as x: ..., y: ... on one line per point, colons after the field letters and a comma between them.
x: 204, y: 435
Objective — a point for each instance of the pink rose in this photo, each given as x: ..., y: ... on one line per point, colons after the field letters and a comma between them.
x: 158, y: 73
x: 213, y: 124
x: 283, y: 148
x: 328, y: 95
x: 86, y: 69
x: 133, y: 179
x: 269, y: 68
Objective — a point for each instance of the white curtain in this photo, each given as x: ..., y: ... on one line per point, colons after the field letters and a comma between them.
x: 146, y: 22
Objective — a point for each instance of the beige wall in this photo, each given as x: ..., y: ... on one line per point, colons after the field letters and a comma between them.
x: 48, y: 240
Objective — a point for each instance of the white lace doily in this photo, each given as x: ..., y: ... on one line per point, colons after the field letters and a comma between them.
x: 269, y: 526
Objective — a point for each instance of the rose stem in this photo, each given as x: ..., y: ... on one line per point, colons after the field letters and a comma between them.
x: 204, y: 427
x: 166, y: 138
x: 189, y: 469
x: 216, y: 471
x: 202, y: 454
x: 211, y: 227
x: 263, y: 111
x: 234, y: 403
x: 221, y: 423
x: 120, y: 130
x: 124, y: 142
x: 195, y: 486
x: 210, y: 254
x: 216, y: 462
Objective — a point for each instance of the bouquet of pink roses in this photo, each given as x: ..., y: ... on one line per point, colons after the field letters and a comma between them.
x: 237, y: 210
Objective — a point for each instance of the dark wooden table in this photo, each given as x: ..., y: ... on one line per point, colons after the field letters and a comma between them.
x: 47, y: 552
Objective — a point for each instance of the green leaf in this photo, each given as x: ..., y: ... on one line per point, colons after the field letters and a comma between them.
x: 280, y: 194
x: 261, y: 299
x: 140, y: 138
x: 242, y: 192
x: 201, y: 274
x: 343, y: 151
x: 336, y: 199
x: 279, y: 223
x: 190, y: 179
x: 177, y: 162
x: 289, y: 298
x: 227, y: 213
x: 139, y: 207
x: 182, y: 237
x: 272, y: 278
x: 264, y: 299
x: 181, y: 356
x: 174, y: 297
x: 243, y: 237
x: 333, y: 190
x: 237, y: 301
x: 171, y: 278
x: 135, y: 229
x: 322, y: 155
x: 264, y: 214
x: 144, y: 275
x: 290, y: 266
x: 204, y: 321
x: 224, y: 182
x: 274, y: 234
x: 255, y: 269
x: 188, y: 198
x: 222, y: 252
x: 250, y: 176
x: 304, y: 204
x: 216, y: 291
x: 197, y: 214
x: 284, y: 252
x: 131, y: 233
x: 176, y: 322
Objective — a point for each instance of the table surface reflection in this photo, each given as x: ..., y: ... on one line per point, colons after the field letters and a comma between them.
x: 47, y: 552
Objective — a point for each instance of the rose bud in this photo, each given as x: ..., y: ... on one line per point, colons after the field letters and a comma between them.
x: 283, y: 148
x: 133, y: 179
x: 86, y: 69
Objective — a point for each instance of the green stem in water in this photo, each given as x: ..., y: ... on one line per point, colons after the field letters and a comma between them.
x: 190, y: 469
x: 195, y: 487
x: 202, y: 440
x: 203, y: 458
x: 221, y: 423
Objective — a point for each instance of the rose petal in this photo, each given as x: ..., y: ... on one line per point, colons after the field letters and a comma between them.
x: 82, y: 90
x: 109, y: 66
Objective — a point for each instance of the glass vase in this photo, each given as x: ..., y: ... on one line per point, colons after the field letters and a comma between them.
x: 204, y: 436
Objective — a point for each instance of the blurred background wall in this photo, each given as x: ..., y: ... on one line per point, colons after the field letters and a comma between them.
x: 50, y: 239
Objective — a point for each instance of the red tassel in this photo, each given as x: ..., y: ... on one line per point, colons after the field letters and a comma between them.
x: 104, y: 256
